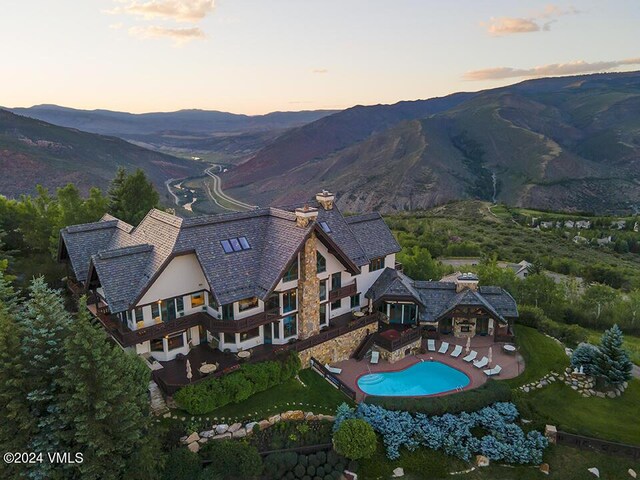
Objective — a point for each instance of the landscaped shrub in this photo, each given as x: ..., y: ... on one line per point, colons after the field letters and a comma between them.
x: 504, y: 440
x: 181, y: 464
x: 235, y: 387
x: 471, y: 400
x: 232, y: 459
x: 355, y: 439
x: 535, y: 317
x: 315, y: 465
x: 585, y: 356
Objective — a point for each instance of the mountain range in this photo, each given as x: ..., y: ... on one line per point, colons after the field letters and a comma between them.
x: 566, y: 143
x: 35, y: 152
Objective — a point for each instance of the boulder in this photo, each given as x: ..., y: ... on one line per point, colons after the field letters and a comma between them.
x: 194, y: 437
x: 274, y: 419
x: 235, y: 427
x: 264, y: 424
x: 398, y: 472
x: 194, y: 447
x: 249, y: 426
x: 241, y: 432
x: 611, y: 394
x: 207, y: 434
x: 328, y: 418
x: 632, y: 473
x: 183, y: 439
x: 293, y: 415
x: 222, y: 436
x: 526, y: 389
x: 203, y: 441
x: 482, y: 461
x: 595, y: 471
x: 309, y: 416
x: 220, y: 429
x: 544, y: 468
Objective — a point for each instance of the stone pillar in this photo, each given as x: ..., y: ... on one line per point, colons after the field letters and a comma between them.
x: 551, y: 432
x: 308, y: 291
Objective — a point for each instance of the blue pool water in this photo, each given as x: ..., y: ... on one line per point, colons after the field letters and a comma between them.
x: 423, y: 378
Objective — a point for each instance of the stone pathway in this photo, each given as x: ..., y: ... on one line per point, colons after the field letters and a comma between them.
x: 158, y: 405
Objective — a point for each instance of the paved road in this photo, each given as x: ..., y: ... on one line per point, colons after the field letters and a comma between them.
x: 175, y: 197
x: 217, y: 189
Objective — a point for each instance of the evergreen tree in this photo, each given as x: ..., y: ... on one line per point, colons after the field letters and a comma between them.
x: 13, y: 437
x: 585, y: 355
x: 132, y: 196
x: 45, y: 323
x: 104, y: 402
x: 613, y: 361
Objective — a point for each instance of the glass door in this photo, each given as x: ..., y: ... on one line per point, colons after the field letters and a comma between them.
x: 268, y: 333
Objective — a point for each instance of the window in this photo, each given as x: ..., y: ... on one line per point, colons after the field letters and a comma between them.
x: 355, y: 300
x: 157, y: 345
x: 325, y: 227
x: 247, y: 303
x: 323, y: 314
x: 276, y: 329
x: 179, y: 305
x: 175, y: 341
x: 236, y: 244
x: 289, y: 301
x: 321, y: 263
x: 155, y: 312
x: 197, y: 299
x: 250, y: 334
x: 336, y: 281
x: 376, y: 264
x: 336, y: 305
x: 323, y: 290
x: 127, y: 316
x: 292, y: 273
x: 290, y: 325
x: 139, y: 314
x: 227, y: 311
x: 229, y: 337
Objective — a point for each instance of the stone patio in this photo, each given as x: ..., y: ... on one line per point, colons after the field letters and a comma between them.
x: 512, y: 364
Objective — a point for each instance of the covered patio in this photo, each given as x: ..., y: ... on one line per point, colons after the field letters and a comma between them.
x: 512, y: 363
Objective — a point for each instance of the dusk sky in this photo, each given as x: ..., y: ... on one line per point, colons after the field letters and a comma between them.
x: 257, y: 56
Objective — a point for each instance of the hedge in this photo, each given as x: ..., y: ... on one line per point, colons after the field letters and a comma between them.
x: 535, y: 317
x: 206, y: 396
x: 467, y: 401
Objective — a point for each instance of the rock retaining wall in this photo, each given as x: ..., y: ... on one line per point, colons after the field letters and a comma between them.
x: 336, y: 349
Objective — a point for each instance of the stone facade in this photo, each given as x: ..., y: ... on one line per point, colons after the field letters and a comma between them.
x: 308, y: 291
x: 459, y: 323
x: 399, y: 354
x: 337, y: 349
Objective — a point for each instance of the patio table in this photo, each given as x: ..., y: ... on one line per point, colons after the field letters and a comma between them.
x: 358, y: 314
x: 509, y: 348
x: 244, y: 354
x: 208, y: 368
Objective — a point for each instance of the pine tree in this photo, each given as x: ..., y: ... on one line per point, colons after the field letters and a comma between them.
x: 585, y: 355
x: 13, y: 399
x: 132, y: 196
x: 115, y: 191
x: 613, y: 361
x: 45, y: 323
x: 105, y: 401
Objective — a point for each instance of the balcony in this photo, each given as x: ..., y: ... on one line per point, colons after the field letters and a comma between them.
x: 342, y: 292
x: 241, y: 325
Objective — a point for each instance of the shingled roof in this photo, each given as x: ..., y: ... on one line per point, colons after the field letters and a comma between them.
x: 439, y: 298
x: 127, y: 260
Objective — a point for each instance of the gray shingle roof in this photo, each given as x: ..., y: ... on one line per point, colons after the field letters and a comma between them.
x: 126, y: 259
x: 438, y: 298
x: 373, y: 234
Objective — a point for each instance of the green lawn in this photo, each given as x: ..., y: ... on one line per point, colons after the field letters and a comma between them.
x: 317, y: 396
x: 606, y: 418
x: 631, y: 344
x: 541, y: 355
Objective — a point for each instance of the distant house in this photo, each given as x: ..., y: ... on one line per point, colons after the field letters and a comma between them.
x: 580, y: 239
x: 603, y: 241
x: 636, y: 226
x: 569, y: 224
x: 619, y: 224
x: 583, y: 224
x: 521, y: 269
x: 546, y: 224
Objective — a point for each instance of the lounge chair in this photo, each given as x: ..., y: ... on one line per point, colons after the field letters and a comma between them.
x: 457, y: 351
x: 335, y: 370
x: 483, y: 362
x: 444, y: 347
x: 431, y: 345
x: 493, y: 371
x: 375, y: 357
x: 471, y: 357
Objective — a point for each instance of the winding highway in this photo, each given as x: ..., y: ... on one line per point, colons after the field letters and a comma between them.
x: 217, y: 190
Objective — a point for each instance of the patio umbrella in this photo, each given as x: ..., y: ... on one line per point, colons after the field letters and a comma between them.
x: 490, y: 355
x: 189, y: 373
x: 468, y: 345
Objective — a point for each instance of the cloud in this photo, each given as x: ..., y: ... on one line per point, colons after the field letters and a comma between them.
x: 179, y: 35
x: 319, y: 70
x: 536, y: 22
x: 190, y: 11
x: 116, y: 26
x: 554, y: 69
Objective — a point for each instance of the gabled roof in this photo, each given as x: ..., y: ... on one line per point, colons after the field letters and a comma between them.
x: 373, y: 234
x: 437, y: 299
x: 127, y: 260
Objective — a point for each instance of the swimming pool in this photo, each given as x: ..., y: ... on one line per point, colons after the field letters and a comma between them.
x: 422, y: 378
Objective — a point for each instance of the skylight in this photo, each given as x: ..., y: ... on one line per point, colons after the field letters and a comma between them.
x: 235, y: 244
x: 325, y: 227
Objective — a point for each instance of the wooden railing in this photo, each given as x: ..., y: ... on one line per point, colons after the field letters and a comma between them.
x: 342, y: 292
x: 406, y: 337
x: 232, y: 326
x: 604, y: 446
x: 365, y: 345
x: 333, y: 379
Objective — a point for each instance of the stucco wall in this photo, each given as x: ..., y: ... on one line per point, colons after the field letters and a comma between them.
x: 182, y: 275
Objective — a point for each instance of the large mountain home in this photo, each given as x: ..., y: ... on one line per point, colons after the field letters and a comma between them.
x: 245, y: 286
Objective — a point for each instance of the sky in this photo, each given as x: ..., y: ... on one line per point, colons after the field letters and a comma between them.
x: 258, y: 56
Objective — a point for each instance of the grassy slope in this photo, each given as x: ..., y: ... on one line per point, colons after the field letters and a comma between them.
x: 317, y: 395
x: 541, y: 354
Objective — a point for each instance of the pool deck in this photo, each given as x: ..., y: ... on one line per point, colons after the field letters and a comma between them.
x: 512, y: 364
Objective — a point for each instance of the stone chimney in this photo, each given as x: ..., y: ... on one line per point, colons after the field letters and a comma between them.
x: 306, y: 215
x: 467, y: 280
x: 325, y: 199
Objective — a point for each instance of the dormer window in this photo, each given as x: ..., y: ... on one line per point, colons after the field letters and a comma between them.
x: 325, y: 227
x: 236, y: 244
